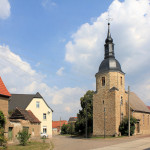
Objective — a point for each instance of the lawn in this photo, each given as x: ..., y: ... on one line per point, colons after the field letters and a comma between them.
x: 32, y: 146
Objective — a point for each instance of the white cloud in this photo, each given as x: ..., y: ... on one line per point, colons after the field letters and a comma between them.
x: 60, y: 71
x: 130, y: 30
x: 48, y: 3
x: 19, y: 77
x: 4, y: 9
x: 68, y: 109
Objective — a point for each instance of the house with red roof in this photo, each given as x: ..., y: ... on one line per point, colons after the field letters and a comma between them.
x: 56, y: 126
x: 4, y: 98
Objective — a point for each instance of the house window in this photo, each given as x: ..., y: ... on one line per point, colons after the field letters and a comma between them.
x: 25, y: 128
x: 121, y: 80
x: 121, y: 101
x: 44, y: 116
x: 103, y: 101
x: 37, y: 104
x: 44, y: 129
x: 103, y: 81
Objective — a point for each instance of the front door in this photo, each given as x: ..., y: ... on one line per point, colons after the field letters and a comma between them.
x: 138, y: 127
x: 10, y: 135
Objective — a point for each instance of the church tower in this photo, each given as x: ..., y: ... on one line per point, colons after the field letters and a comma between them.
x: 110, y: 98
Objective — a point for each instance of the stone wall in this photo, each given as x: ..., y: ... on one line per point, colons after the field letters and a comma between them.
x: 111, y: 101
x: 144, y: 122
x: 33, y: 128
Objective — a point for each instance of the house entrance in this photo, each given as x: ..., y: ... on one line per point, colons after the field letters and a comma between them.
x: 138, y: 127
x: 10, y: 134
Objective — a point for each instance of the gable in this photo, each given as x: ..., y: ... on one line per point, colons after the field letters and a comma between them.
x: 3, y: 89
x: 42, y: 103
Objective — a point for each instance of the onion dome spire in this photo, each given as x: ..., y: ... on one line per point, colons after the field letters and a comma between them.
x: 109, y: 45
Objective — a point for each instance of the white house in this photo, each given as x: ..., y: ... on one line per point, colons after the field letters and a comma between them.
x: 38, y: 106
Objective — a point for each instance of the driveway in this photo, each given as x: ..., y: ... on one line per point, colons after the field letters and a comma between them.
x: 122, y: 143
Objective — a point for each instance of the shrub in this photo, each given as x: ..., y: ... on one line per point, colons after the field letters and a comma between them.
x: 3, y: 140
x: 2, y: 119
x: 65, y: 129
x: 123, y: 128
x: 23, y: 137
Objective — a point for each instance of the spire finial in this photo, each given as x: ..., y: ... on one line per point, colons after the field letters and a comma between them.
x: 109, y: 19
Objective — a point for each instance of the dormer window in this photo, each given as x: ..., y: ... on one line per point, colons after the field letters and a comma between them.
x: 103, y: 81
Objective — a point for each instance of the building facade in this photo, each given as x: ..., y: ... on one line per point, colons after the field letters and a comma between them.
x: 39, y: 107
x: 4, y: 98
x: 110, y: 101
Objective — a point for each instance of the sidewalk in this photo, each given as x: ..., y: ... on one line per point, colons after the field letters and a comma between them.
x: 140, y: 144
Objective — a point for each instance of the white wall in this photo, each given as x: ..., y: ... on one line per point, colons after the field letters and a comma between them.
x: 38, y: 112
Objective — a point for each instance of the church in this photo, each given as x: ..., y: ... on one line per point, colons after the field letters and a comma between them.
x: 110, y: 100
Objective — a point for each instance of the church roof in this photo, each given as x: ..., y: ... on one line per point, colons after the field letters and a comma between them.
x: 137, y: 104
x: 109, y: 63
x: 3, y: 89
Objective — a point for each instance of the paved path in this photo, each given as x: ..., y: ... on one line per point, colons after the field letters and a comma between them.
x: 141, y: 144
x: 123, y: 143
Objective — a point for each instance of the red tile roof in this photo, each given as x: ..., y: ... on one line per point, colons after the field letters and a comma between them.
x: 148, y: 107
x: 24, y: 114
x: 34, y: 119
x: 56, y: 124
x: 3, y: 89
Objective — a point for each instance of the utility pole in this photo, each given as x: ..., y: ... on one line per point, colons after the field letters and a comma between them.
x: 129, y: 111
x: 104, y: 123
x: 60, y: 124
x: 86, y: 121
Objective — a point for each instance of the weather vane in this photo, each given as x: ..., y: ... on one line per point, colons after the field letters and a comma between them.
x: 109, y: 19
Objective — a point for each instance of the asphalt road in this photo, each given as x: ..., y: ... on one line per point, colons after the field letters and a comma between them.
x: 122, y: 143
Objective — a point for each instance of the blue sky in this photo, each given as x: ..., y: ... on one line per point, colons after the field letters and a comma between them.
x: 55, y: 47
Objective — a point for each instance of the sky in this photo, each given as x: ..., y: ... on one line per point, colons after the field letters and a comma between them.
x: 55, y: 47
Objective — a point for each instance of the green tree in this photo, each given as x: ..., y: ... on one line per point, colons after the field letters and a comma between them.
x: 2, y: 124
x: 80, y: 124
x: 23, y: 137
x: 2, y: 119
x: 65, y: 129
x: 123, y: 128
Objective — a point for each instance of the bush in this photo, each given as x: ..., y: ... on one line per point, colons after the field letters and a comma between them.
x: 2, y: 119
x: 3, y: 140
x: 23, y: 137
x: 65, y: 129
x: 123, y: 128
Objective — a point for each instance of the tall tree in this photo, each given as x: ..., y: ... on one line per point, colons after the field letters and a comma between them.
x: 80, y: 124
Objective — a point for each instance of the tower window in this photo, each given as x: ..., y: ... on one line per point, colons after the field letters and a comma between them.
x: 121, y: 80
x: 121, y: 116
x: 121, y: 102
x: 103, y: 81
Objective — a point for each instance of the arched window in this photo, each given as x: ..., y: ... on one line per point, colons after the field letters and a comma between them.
x: 103, y: 81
